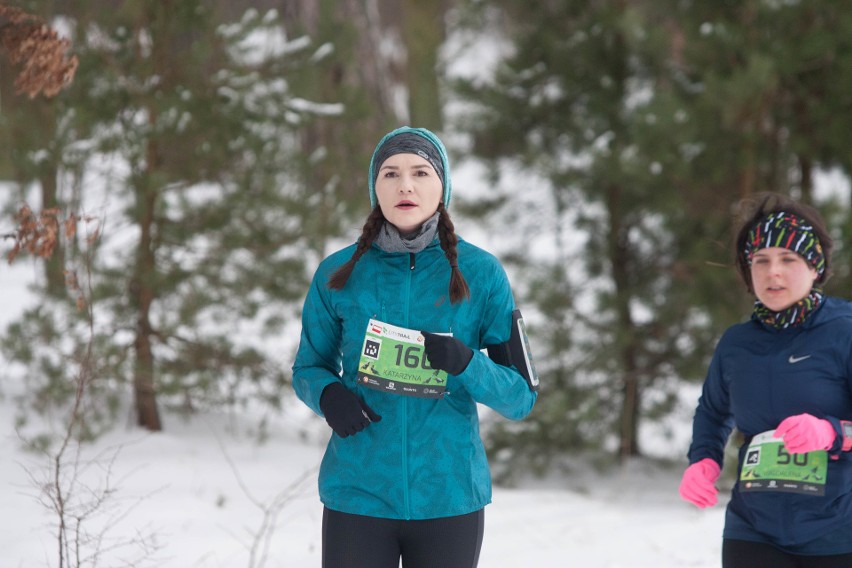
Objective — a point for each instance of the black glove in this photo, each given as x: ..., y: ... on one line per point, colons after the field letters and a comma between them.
x: 344, y: 411
x: 446, y: 353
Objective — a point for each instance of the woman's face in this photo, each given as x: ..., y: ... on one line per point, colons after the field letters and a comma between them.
x: 780, y: 277
x: 408, y: 190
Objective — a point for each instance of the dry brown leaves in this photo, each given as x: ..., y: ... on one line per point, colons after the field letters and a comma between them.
x: 39, y: 234
x: 42, y: 54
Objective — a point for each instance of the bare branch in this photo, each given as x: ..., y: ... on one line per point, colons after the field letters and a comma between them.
x: 259, y: 548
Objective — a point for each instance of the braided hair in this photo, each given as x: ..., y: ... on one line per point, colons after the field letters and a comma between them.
x: 371, y: 229
x: 449, y: 242
x: 459, y: 289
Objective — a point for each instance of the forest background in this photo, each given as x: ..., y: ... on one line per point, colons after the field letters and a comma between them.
x: 207, y: 154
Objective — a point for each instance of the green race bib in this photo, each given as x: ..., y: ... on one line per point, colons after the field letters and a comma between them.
x: 393, y: 361
x: 768, y: 466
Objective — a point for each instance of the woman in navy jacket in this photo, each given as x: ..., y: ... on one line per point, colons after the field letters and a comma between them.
x: 784, y: 380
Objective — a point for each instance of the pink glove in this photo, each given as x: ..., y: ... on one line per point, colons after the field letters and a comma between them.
x: 698, y: 483
x: 805, y: 433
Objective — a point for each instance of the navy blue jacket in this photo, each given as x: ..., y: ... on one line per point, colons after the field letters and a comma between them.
x: 753, y: 384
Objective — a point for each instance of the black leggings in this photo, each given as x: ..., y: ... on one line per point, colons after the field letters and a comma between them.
x: 746, y: 554
x: 355, y: 541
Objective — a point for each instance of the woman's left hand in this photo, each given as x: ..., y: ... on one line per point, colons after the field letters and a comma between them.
x: 446, y: 353
x: 805, y: 433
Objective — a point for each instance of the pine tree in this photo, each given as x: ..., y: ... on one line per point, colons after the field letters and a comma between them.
x: 181, y: 131
x: 579, y: 103
x: 648, y: 122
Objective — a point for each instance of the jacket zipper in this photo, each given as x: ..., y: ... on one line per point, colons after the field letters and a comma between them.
x: 405, y: 490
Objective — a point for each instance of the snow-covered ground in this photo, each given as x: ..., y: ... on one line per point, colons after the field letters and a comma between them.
x: 206, y: 493
x: 198, y: 494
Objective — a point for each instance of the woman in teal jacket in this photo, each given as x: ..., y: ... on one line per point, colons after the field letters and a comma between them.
x: 390, y: 354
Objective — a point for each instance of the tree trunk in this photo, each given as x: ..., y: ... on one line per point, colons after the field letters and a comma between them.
x: 145, y: 273
x: 623, y: 264
x: 54, y: 267
x: 619, y: 256
x: 142, y: 291
x: 423, y: 32
x: 806, y: 179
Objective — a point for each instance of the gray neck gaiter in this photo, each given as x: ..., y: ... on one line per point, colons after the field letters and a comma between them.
x: 390, y: 240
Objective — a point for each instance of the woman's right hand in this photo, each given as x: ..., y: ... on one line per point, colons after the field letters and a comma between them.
x: 344, y: 411
x: 698, y: 485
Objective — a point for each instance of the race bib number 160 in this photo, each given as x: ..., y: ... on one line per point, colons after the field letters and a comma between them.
x: 393, y: 361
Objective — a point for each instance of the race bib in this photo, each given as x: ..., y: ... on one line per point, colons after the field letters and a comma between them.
x: 768, y: 466
x: 393, y: 361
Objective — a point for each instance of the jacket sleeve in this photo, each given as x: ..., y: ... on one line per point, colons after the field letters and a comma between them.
x: 496, y: 386
x: 318, y: 360
x: 713, y: 420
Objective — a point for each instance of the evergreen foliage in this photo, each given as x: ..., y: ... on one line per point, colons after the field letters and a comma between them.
x: 194, y: 122
x: 646, y: 122
x: 618, y: 138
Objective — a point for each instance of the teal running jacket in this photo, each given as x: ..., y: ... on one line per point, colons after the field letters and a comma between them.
x: 425, y: 458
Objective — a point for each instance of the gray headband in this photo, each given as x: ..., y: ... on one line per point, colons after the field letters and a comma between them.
x: 409, y: 143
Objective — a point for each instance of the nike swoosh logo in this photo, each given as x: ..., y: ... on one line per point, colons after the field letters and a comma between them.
x: 797, y: 359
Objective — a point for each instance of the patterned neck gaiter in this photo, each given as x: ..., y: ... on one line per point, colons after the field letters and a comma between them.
x: 792, y: 316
